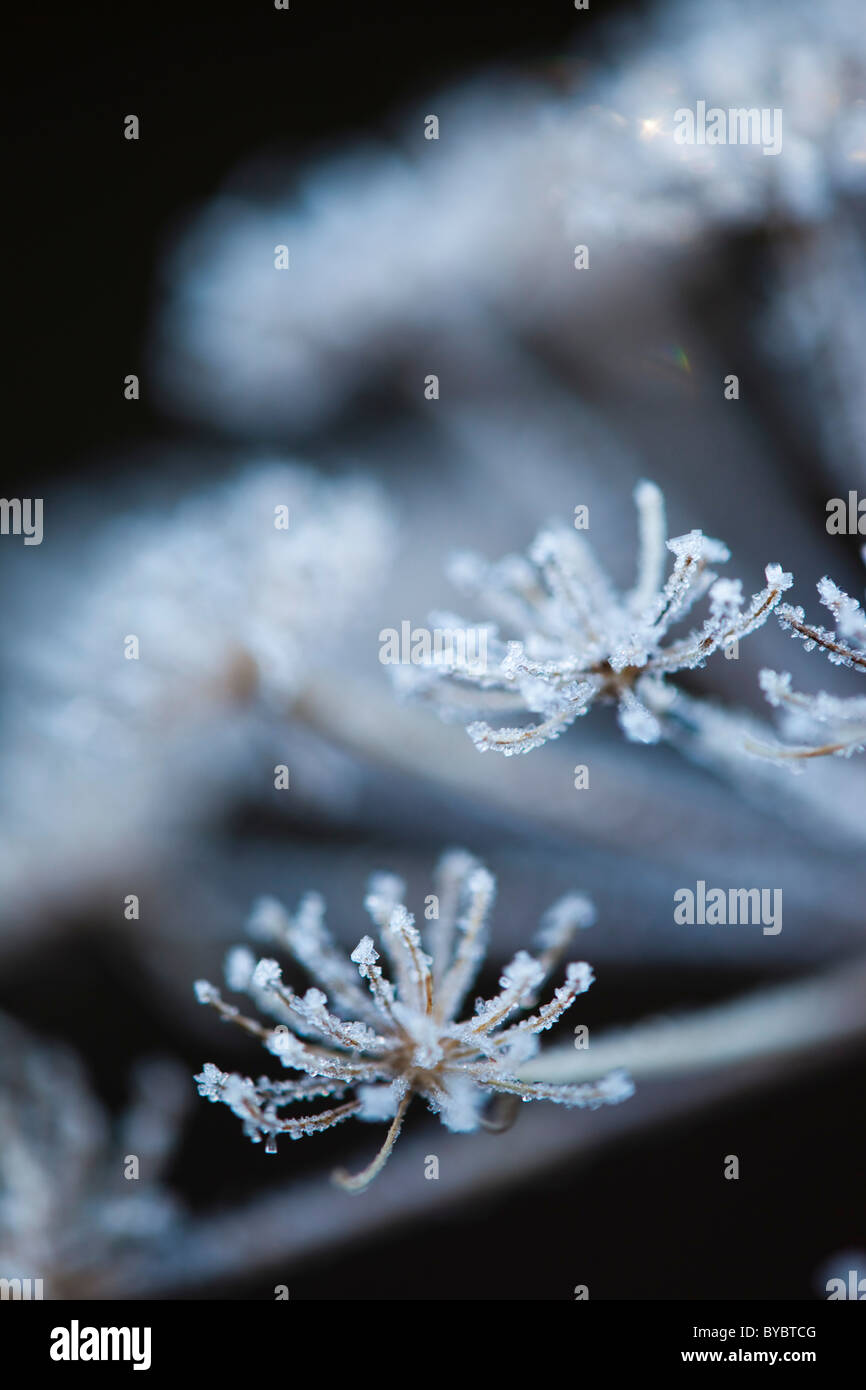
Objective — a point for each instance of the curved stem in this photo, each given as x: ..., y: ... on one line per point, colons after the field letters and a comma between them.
x: 359, y: 1181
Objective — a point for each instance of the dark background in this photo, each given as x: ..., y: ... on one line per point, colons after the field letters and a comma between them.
x: 211, y: 83
x: 92, y: 214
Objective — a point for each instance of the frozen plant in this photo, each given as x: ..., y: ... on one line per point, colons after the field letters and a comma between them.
x: 443, y: 247
x: 392, y: 1041
x: 233, y: 595
x: 822, y: 724
x: 67, y: 1205
x: 232, y: 591
x: 577, y: 642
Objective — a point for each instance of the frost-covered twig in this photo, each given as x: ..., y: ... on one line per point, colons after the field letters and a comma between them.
x: 821, y: 724
x: 405, y: 1039
x: 692, y: 1062
x: 779, y: 1021
x: 580, y: 642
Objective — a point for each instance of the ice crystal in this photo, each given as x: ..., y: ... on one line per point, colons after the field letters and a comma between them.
x: 405, y: 1039
x: 578, y: 642
x: 821, y: 724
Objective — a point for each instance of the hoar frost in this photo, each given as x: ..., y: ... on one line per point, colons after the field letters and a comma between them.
x: 577, y: 642
x: 821, y: 724
x: 389, y: 1039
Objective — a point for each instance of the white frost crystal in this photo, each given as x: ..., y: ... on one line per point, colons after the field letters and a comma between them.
x: 580, y: 642
x: 822, y: 724
x: 407, y: 1039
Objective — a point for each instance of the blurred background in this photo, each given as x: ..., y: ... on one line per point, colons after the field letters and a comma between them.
x: 411, y: 257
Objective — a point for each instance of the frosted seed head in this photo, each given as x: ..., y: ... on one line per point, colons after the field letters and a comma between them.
x: 205, y: 992
x: 453, y: 1065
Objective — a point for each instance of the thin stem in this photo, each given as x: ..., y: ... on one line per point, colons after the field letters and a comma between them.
x: 359, y: 1181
